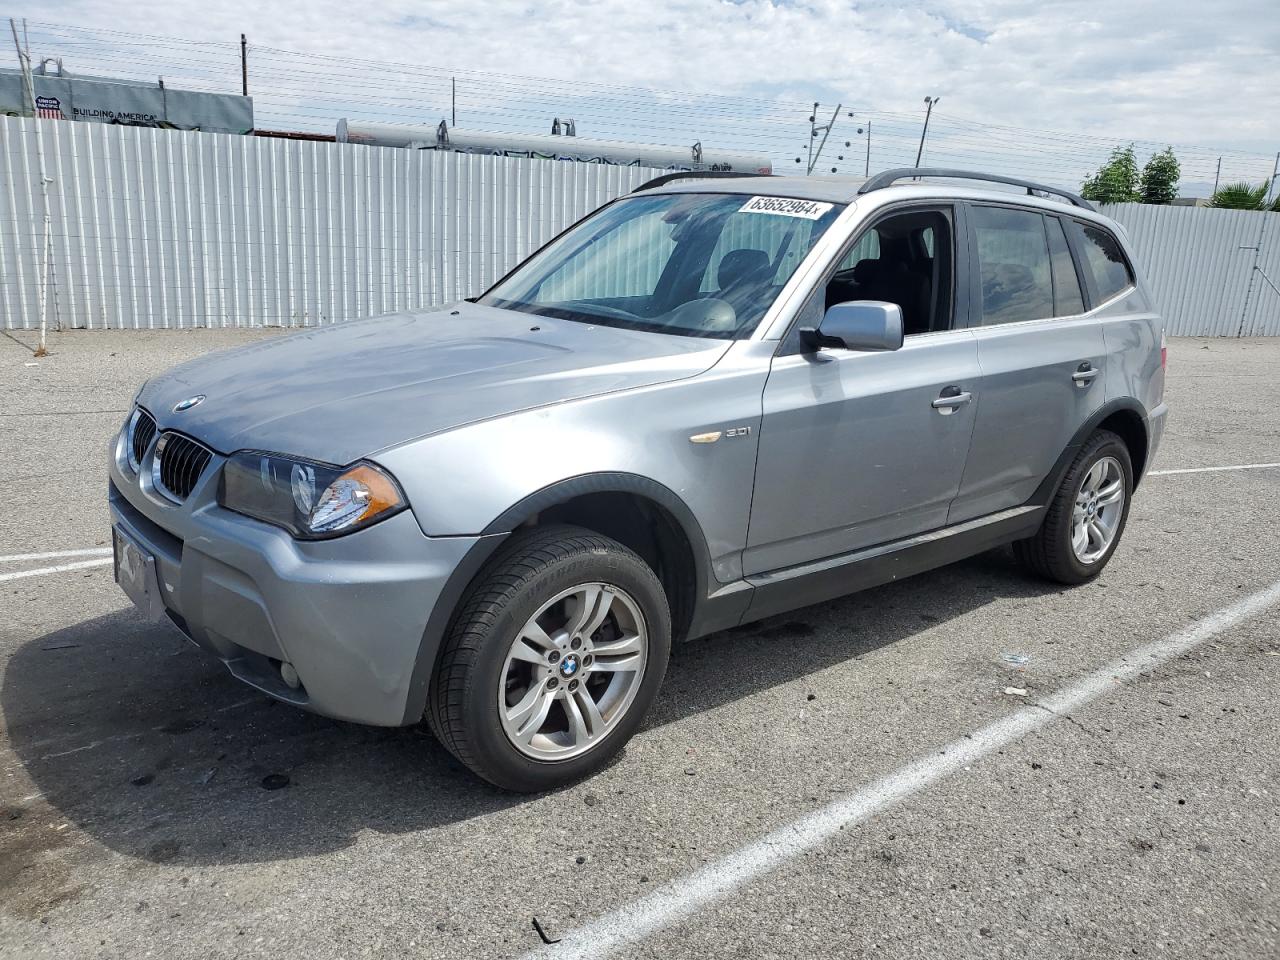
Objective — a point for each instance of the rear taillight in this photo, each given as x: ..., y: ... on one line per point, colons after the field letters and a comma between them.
x: 1164, y: 352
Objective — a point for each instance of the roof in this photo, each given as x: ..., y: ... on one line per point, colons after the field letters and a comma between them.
x: 827, y: 189
x: 887, y: 187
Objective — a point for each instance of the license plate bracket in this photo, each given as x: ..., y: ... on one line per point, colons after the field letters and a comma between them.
x: 135, y: 572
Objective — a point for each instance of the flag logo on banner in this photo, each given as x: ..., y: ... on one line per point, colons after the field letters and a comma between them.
x: 49, y: 107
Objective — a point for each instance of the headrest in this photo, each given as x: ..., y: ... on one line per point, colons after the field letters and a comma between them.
x: 741, y: 265
x: 866, y: 271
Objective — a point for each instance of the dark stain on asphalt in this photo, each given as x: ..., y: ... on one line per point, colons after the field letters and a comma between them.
x: 186, y: 725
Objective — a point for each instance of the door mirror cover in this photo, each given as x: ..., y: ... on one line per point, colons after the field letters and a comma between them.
x: 858, y: 325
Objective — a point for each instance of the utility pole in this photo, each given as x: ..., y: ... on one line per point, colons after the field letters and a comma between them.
x: 46, y: 243
x: 866, y: 172
x: 813, y: 118
x: 244, y: 66
x: 813, y: 133
x: 1217, y: 176
x: 930, y: 102
x: 453, y: 101
x: 1272, y: 185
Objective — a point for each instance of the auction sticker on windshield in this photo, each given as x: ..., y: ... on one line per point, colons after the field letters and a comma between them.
x: 786, y: 207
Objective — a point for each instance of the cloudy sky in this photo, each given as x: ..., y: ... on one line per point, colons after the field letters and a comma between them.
x: 1080, y: 74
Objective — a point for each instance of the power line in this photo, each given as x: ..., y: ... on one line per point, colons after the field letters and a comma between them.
x: 309, y: 91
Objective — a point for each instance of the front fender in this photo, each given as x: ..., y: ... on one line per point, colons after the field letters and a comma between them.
x: 474, y: 479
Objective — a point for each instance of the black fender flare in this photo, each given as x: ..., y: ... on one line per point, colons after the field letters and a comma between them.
x: 503, y: 525
x: 1044, y: 493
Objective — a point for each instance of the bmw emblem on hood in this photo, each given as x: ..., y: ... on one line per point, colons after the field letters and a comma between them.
x: 188, y: 403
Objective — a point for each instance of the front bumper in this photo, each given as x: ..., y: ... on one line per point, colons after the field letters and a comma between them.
x: 350, y: 614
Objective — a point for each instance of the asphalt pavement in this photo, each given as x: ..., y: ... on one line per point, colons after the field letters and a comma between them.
x: 151, y: 805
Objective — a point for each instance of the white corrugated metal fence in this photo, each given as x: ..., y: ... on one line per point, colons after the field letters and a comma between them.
x: 1213, y: 272
x: 163, y: 228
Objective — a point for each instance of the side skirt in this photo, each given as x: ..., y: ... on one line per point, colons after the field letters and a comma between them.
x: 793, y: 587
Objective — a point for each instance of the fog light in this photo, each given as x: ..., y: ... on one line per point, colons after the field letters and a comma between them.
x: 289, y: 676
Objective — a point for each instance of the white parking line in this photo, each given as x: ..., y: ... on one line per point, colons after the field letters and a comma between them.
x: 56, y: 554
x: 1239, y: 466
x: 681, y: 899
x: 60, y: 568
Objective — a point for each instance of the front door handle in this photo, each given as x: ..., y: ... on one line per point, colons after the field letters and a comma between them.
x: 951, y: 399
x: 1085, y: 374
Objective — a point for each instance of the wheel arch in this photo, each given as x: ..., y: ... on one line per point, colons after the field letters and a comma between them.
x: 1123, y: 416
x: 642, y: 514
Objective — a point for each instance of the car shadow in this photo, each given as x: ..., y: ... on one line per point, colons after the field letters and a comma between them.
x: 149, y: 746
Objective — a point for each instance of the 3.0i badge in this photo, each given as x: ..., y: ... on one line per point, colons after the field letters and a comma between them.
x: 188, y: 403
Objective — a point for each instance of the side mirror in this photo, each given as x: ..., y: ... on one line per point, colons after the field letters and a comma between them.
x: 858, y: 325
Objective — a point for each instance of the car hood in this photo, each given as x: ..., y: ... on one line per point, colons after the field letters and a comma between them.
x: 344, y: 392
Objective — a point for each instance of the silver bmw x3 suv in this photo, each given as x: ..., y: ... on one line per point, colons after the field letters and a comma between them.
x: 710, y: 401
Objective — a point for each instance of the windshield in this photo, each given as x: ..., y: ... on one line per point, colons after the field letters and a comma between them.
x: 698, y: 265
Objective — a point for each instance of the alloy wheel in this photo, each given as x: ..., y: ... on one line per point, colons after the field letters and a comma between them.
x: 1099, y: 506
x: 573, y: 671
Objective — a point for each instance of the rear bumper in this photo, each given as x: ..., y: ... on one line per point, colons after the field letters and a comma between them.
x: 350, y: 614
x: 1155, y: 432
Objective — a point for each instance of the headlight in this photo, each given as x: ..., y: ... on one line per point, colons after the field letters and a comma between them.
x: 310, y: 500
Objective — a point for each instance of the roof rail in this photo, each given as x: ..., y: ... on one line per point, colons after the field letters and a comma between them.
x: 666, y: 178
x: 888, y: 177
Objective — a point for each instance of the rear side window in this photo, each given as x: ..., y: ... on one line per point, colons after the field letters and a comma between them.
x: 1111, y: 271
x: 1067, y: 301
x: 1013, y: 257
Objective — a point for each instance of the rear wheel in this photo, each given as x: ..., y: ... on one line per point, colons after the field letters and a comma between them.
x: 553, y: 660
x: 1086, y: 516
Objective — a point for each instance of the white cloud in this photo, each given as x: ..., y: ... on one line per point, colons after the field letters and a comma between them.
x: 1168, y: 72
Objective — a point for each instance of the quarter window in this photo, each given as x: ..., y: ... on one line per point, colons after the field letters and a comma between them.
x: 1067, y: 300
x: 1110, y: 269
x: 1013, y: 256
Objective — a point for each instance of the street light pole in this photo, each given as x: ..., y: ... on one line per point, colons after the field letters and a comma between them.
x: 929, y: 104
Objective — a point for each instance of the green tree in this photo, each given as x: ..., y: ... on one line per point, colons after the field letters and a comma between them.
x: 1116, y: 180
x: 1241, y: 196
x: 1160, y: 177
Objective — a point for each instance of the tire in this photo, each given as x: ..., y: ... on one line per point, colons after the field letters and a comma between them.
x: 1050, y: 553
x: 485, y: 673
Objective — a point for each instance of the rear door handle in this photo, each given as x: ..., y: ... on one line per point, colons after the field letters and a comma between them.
x: 951, y: 399
x: 1085, y: 374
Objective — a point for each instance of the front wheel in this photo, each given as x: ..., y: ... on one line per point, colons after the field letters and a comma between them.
x: 553, y: 660
x: 1086, y: 516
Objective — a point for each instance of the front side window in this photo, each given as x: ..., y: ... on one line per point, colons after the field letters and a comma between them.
x: 905, y: 258
x: 1013, y: 256
x: 699, y: 265
x: 1107, y: 263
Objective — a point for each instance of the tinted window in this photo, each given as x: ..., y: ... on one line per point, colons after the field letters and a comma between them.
x: 1102, y: 252
x: 1013, y: 256
x: 1067, y: 300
